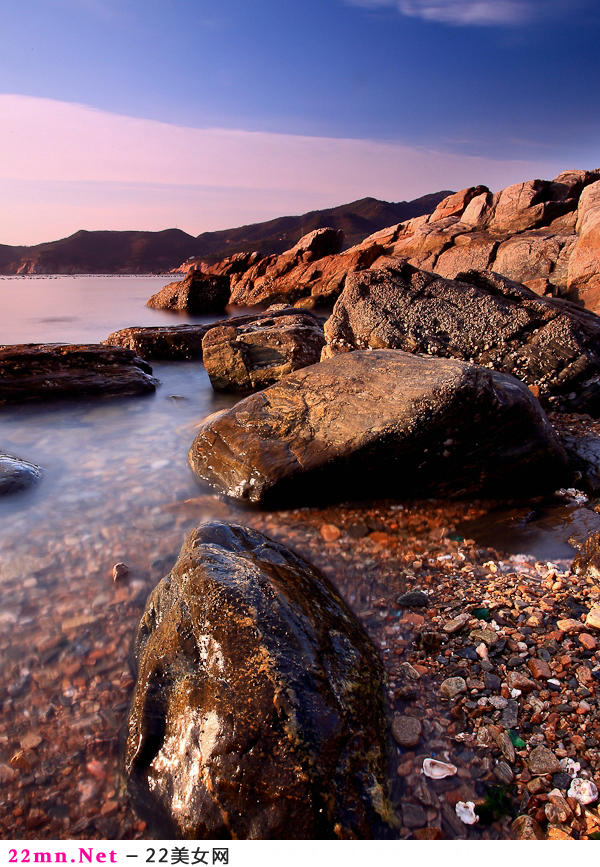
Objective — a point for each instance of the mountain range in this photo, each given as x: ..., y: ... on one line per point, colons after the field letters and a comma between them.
x: 137, y: 252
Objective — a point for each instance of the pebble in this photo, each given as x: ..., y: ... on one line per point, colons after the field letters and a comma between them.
x: 458, y: 623
x: 330, y: 532
x: 119, y: 572
x: 526, y: 828
x: 583, y: 791
x: 504, y: 773
x: 406, y: 730
x: 453, y: 686
x: 543, y: 761
x: 413, y: 599
x: 539, y: 669
x: 593, y: 618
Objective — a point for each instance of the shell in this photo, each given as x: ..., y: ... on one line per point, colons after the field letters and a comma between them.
x: 438, y: 770
x: 465, y: 810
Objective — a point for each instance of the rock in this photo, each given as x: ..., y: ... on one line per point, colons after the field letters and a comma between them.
x: 503, y: 773
x: 526, y: 828
x: 258, y: 707
x: 413, y: 816
x: 17, y: 475
x: 583, y: 791
x: 330, y: 532
x: 247, y: 357
x: 453, y: 687
x: 587, y: 560
x: 516, y: 680
x: 584, y: 262
x: 543, y: 761
x: 455, y: 204
x: 550, y: 344
x: 465, y: 810
x: 457, y: 623
x: 375, y: 422
x: 539, y: 668
x: 178, y: 342
x: 119, y: 572
x: 196, y: 294
x: 36, y: 372
x: 406, y: 730
x: 593, y: 618
x: 413, y: 599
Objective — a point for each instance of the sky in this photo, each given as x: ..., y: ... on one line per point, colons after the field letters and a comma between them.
x: 153, y: 114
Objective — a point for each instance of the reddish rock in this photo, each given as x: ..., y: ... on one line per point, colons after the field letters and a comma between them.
x: 539, y: 668
x: 197, y: 293
x: 454, y: 205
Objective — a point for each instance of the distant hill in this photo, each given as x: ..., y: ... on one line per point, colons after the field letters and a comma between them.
x: 136, y: 252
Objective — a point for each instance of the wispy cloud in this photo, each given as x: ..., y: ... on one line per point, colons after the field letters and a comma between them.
x: 482, y: 13
x: 101, y: 170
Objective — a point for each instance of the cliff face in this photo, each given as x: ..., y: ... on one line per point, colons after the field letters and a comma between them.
x: 146, y: 252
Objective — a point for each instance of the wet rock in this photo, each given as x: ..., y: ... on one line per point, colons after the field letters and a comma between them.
x: 413, y: 599
x: 406, y: 730
x: 413, y: 816
x: 196, y: 294
x: 550, y: 344
x: 40, y: 372
x: 380, y: 422
x: 587, y: 560
x: 453, y: 687
x: 257, y: 711
x: 526, y: 828
x: 17, y: 475
x: 179, y: 342
x: 543, y: 761
x: 504, y: 773
x: 247, y: 357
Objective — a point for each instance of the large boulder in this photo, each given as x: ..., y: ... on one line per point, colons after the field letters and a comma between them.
x: 50, y: 371
x: 197, y: 293
x: 246, y: 357
x: 179, y: 342
x: 17, y: 475
x: 258, y: 707
x: 584, y: 263
x: 549, y: 343
x: 381, y: 423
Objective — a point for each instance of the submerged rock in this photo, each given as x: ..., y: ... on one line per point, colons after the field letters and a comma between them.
x: 16, y: 474
x: 550, y: 344
x: 50, y: 371
x: 258, y: 708
x: 197, y: 293
x: 245, y: 357
x: 382, y: 422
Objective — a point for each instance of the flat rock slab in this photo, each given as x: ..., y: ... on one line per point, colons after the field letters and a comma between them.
x: 197, y: 293
x: 181, y: 342
x: 258, y: 707
x: 246, y: 357
x: 17, y: 475
x: 381, y: 423
x: 551, y: 344
x: 40, y: 372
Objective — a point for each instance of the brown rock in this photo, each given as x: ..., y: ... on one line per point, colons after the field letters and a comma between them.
x: 516, y: 680
x: 40, y: 372
x: 539, y: 668
x: 406, y: 730
x: 247, y: 357
x: 379, y: 421
x: 588, y: 641
x: 197, y: 293
x: 330, y: 532
x: 543, y: 761
x: 481, y: 317
x: 453, y: 687
x: 258, y: 708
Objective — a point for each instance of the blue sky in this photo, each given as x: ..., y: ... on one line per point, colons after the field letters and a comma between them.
x: 506, y: 87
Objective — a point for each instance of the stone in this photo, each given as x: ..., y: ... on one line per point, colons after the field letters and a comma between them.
x: 587, y: 560
x: 258, y: 707
x: 455, y: 204
x: 406, y: 730
x: 42, y: 372
x: 539, y: 668
x: 584, y: 262
x: 413, y: 599
x: 583, y: 791
x: 588, y: 641
x: 543, y: 761
x: 457, y: 623
x: 516, y: 680
x: 179, y: 342
x: 247, y: 357
x: 503, y: 772
x: 453, y: 687
x: 197, y: 293
x: 593, y: 617
x: 17, y: 475
x: 120, y: 571
x: 548, y: 343
x: 413, y: 816
x: 330, y: 532
x: 380, y: 422
x: 526, y: 828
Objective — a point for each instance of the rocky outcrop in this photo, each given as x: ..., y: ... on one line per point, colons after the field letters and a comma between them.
x: 197, y: 293
x: 258, y: 708
x: 551, y: 344
x: 381, y: 423
x: 247, y: 357
x: 541, y: 233
x: 178, y: 342
x: 37, y: 372
x: 17, y: 475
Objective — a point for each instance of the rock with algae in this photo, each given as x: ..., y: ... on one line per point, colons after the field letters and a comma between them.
x: 258, y: 708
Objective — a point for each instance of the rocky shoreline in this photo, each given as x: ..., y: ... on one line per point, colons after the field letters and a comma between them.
x: 428, y: 386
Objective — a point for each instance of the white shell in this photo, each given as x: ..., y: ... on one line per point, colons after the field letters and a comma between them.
x: 584, y: 791
x: 465, y: 810
x: 438, y: 770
